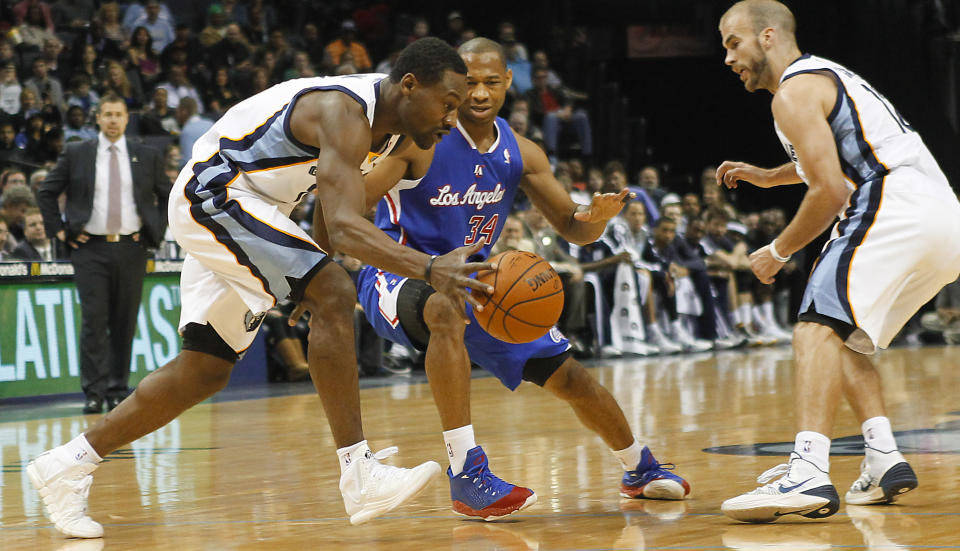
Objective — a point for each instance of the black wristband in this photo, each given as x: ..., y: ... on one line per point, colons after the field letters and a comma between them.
x: 426, y: 273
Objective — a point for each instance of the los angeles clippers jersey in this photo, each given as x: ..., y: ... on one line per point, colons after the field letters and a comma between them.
x: 464, y: 197
x: 872, y: 137
x: 252, y: 149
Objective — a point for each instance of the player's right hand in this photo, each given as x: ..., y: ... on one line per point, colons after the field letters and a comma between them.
x: 450, y: 274
x: 730, y: 172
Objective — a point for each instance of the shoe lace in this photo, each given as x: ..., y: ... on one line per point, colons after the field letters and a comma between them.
x: 79, y: 492
x: 774, y: 473
x: 378, y: 471
x: 489, y: 482
x: 865, y: 480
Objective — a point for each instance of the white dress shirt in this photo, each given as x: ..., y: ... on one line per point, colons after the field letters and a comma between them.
x: 129, y: 218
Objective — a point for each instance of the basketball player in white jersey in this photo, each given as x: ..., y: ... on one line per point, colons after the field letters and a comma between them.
x: 896, y: 244
x: 229, y: 210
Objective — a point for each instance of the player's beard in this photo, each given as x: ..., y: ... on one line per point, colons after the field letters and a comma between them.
x: 758, y: 71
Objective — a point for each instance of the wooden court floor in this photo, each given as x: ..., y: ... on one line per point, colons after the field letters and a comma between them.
x: 261, y: 474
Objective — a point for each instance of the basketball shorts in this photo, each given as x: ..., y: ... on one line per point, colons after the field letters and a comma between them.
x: 896, y: 247
x: 379, y: 293
x: 243, y: 255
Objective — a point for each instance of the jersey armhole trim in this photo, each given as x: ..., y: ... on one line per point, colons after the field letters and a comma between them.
x: 286, y: 121
x: 838, y: 101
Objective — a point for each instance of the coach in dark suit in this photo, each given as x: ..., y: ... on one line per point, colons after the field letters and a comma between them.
x: 116, y: 210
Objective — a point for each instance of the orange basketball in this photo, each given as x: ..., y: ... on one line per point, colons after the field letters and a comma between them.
x: 526, y: 301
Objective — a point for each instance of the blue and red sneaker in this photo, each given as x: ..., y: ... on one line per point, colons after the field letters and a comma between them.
x: 476, y: 492
x: 653, y: 480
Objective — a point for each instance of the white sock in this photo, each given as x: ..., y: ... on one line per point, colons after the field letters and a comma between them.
x: 815, y: 448
x: 630, y: 456
x: 767, y: 308
x: 458, y: 442
x: 79, y: 450
x: 878, y: 435
x: 744, y: 314
x: 349, y: 453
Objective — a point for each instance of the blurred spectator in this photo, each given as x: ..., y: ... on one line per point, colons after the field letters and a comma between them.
x: 650, y: 182
x: 541, y: 61
x: 281, y: 50
x: 9, y: 152
x: 221, y: 95
x: 10, y: 89
x: 302, y: 67
x: 52, y: 48
x: 35, y: 245
x: 141, y: 56
x: 386, y: 65
x: 29, y: 106
x: 77, y: 127
x: 21, y: 12
x: 691, y: 206
x: 185, y: 49
x: 44, y: 85
x: 512, y: 237
x: 178, y: 86
x: 4, y: 235
x: 172, y: 160
x: 311, y: 42
x: 522, y: 81
x: 7, y: 54
x: 454, y: 29
x: 260, y: 81
x: 37, y: 178
x: 109, y: 24
x: 192, y: 125
x: 118, y: 81
x: 261, y: 18
x: 508, y: 39
x: 160, y: 28
x: 30, y: 138
x: 216, y: 27
x: 233, y: 51
x: 348, y: 43
x: 14, y: 202
x: 137, y: 10
x: 159, y: 119
x: 33, y: 30
x: 12, y: 177
x: 553, y: 110
x: 421, y: 28
x: 90, y: 67
x: 520, y: 123
x: 79, y: 94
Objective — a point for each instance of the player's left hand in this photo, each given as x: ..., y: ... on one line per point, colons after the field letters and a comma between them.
x: 604, y: 206
x: 764, y: 266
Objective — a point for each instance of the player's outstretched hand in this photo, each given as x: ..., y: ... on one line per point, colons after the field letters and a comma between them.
x: 604, y: 206
x: 730, y: 172
x: 450, y: 274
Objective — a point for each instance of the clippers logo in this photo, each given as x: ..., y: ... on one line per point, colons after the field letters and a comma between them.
x: 251, y: 321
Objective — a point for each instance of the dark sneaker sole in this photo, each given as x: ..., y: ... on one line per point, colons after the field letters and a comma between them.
x: 897, y: 481
x: 833, y: 501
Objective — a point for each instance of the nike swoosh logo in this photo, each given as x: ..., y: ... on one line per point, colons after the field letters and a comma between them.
x: 785, y: 489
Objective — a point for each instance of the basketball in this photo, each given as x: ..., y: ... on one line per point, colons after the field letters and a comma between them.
x: 527, y: 297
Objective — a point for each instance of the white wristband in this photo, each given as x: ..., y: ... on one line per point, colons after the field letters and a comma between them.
x: 776, y: 256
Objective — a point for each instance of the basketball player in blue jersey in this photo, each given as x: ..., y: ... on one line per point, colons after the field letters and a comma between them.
x: 230, y: 211
x: 896, y: 244
x: 460, y: 194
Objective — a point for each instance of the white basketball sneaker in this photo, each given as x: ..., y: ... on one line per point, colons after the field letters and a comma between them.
x: 64, y: 486
x: 803, y: 490
x: 371, y: 488
x: 884, y: 476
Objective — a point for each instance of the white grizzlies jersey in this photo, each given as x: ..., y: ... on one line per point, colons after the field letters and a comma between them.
x: 872, y: 138
x: 252, y: 148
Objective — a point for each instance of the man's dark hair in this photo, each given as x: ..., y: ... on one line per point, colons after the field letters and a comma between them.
x: 716, y: 213
x: 428, y: 59
x: 664, y: 220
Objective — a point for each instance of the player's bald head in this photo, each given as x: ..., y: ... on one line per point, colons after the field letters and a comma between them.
x: 763, y: 14
x: 480, y: 46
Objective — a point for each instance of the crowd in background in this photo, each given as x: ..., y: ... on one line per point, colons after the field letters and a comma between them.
x: 670, y: 275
